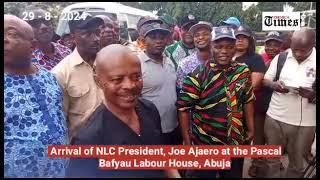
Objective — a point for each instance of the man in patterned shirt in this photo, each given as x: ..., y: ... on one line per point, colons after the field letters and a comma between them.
x: 185, y: 47
x: 201, y: 33
x: 219, y: 94
x: 33, y: 114
x: 47, y: 54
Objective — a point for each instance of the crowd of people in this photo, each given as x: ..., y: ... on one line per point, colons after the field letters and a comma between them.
x: 176, y: 83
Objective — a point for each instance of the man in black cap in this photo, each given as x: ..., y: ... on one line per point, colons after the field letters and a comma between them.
x: 75, y: 72
x: 220, y: 95
x: 140, y: 45
x: 185, y: 47
x: 159, y: 79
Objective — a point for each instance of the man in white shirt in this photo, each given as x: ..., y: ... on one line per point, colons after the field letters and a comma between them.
x: 291, y: 117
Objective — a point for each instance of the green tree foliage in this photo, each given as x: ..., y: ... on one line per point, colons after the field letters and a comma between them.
x: 214, y: 12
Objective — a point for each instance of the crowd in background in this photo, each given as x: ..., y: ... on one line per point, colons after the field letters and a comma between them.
x: 173, y: 83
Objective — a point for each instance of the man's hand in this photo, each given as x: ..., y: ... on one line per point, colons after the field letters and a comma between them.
x: 249, y: 136
x: 306, y: 92
x: 279, y: 86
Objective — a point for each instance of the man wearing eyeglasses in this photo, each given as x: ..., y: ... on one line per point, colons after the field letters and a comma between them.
x: 75, y: 72
x: 47, y: 53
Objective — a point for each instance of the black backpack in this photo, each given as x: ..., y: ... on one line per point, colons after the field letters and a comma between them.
x: 267, y: 91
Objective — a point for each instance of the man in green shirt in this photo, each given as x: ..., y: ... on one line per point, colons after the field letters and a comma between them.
x: 185, y: 47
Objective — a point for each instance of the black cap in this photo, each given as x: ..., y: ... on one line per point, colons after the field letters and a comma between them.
x: 85, y: 21
x: 274, y: 35
x: 223, y: 32
x: 153, y: 26
x: 147, y: 19
x: 244, y: 30
x: 187, y: 20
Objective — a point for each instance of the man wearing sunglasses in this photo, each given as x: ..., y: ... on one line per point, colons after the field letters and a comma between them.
x: 47, y: 53
x: 75, y: 72
x: 185, y: 47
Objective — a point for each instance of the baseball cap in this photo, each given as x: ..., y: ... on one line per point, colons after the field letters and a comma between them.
x: 232, y: 20
x: 199, y: 25
x: 187, y: 20
x: 222, y: 32
x: 273, y: 35
x: 168, y: 20
x: 153, y: 26
x: 85, y: 21
x: 244, y: 30
x: 146, y: 19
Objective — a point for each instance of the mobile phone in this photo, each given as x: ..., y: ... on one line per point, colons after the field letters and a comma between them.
x: 292, y: 89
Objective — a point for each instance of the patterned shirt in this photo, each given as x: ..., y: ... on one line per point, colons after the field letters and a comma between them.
x: 33, y: 119
x: 216, y: 98
x: 177, y: 52
x: 186, y: 66
x: 43, y: 60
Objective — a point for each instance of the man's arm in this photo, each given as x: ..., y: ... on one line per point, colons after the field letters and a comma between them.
x: 257, y: 78
x: 248, y: 106
x: 184, y: 118
x: 187, y: 98
x: 249, y: 114
x: 271, y: 74
x: 258, y: 70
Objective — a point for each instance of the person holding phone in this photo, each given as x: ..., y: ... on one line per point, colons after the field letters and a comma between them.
x: 291, y: 117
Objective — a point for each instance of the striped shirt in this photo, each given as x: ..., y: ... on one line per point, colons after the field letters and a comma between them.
x: 216, y: 97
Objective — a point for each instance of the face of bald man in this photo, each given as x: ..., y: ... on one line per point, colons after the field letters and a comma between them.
x: 120, y: 77
x: 18, y: 42
x: 302, y: 44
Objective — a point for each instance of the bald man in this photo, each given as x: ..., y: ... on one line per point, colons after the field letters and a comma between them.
x: 291, y: 117
x: 33, y: 116
x: 123, y: 118
x: 106, y: 31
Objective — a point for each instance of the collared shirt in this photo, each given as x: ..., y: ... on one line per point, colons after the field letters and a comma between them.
x: 33, y: 119
x: 104, y: 128
x: 177, y: 52
x: 287, y: 107
x: 81, y: 93
x: 43, y: 60
x: 216, y: 98
x: 159, y: 87
x: 186, y: 66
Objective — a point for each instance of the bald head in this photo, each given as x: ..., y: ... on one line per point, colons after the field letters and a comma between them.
x: 304, y: 37
x: 118, y: 73
x: 11, y: 21
x: 18, y: 43
x: 114, y: 55
x: 302, y: 43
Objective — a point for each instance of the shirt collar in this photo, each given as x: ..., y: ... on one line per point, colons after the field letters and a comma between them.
x: 216, y: 67
x: 313, y: 54
x: 76, y: 59
x: 144, y: 57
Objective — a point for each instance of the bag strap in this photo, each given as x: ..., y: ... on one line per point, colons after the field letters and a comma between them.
x: 281, y: 60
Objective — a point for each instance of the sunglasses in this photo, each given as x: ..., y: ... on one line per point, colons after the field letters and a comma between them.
x: 36, y: 23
